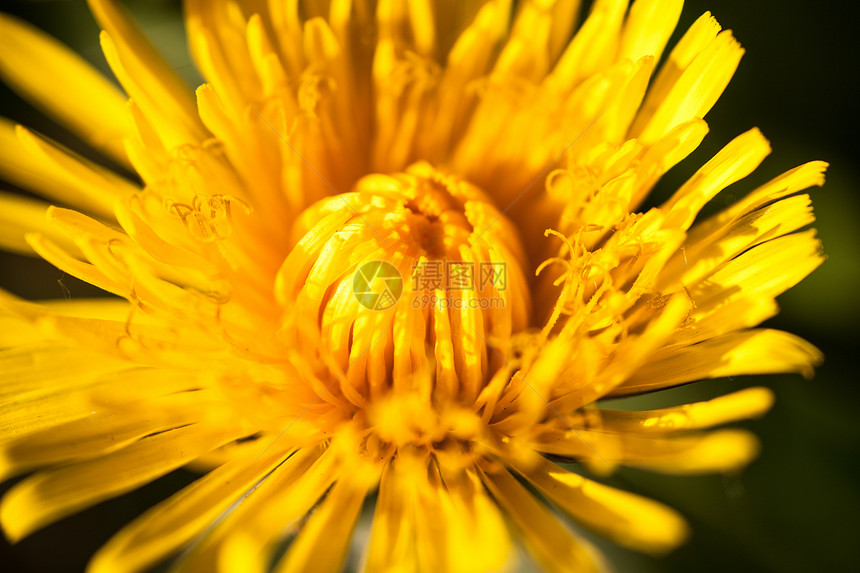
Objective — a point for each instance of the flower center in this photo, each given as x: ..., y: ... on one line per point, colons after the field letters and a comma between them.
x: 411, y: 283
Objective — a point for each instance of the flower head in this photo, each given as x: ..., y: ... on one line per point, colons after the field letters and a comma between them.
x: 392, y: 248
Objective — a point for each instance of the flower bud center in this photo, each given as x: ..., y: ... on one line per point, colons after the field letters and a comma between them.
x: 411, y: 282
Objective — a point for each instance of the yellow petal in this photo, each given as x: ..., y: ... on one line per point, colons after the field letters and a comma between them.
x: 423, y: 524
x: 51, y: 495
x: 47, y: 366
x: 698, y: 258
x: 145, y: 344
x: 541, y: 378
x: 734, y: 162
x: 525, y: 53
x: 17, y: 331
x: 287, y: 25
x: 797, y: 179
x: 593, y: 46
x: 552, y: 545
x: 763, y: 272
x: 750, y: 352
x: 636, y: 351
x: 648, y: 27
x: 393, y: 536
x: 160, y: 249
x: 23, y: 417
x: 688, y: 88
x: 101, y: 432
x: 33, y: 162
x: 628, y: 519
x: 113, y: 391
x: 469, y: 58
x: 146, y: 151
x: 61, y: 83
x: 175, y: 125
x: 175, y: 521
x: 668, y: 151
x: 35, y: 172
x: 93, y: 182
x: 146, y: 76
x: 564, y: 21
x: 216, y: 36
x: 472, y: 528
x: 20, y: 215
x: 323, y: 541
x: 58, y: 257
x: 270, y: 511
x: 748, y: 403
x: 105, y: 308
x: 290, y: 495
x: 722, y: 450
x: 41, y: 382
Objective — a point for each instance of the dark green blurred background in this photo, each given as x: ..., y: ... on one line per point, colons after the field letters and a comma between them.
x: 797, y: 508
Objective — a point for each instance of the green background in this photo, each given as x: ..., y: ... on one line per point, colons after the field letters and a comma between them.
x: 795, y: 509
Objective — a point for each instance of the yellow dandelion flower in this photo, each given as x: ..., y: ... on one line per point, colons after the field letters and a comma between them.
x: 391, y: 250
